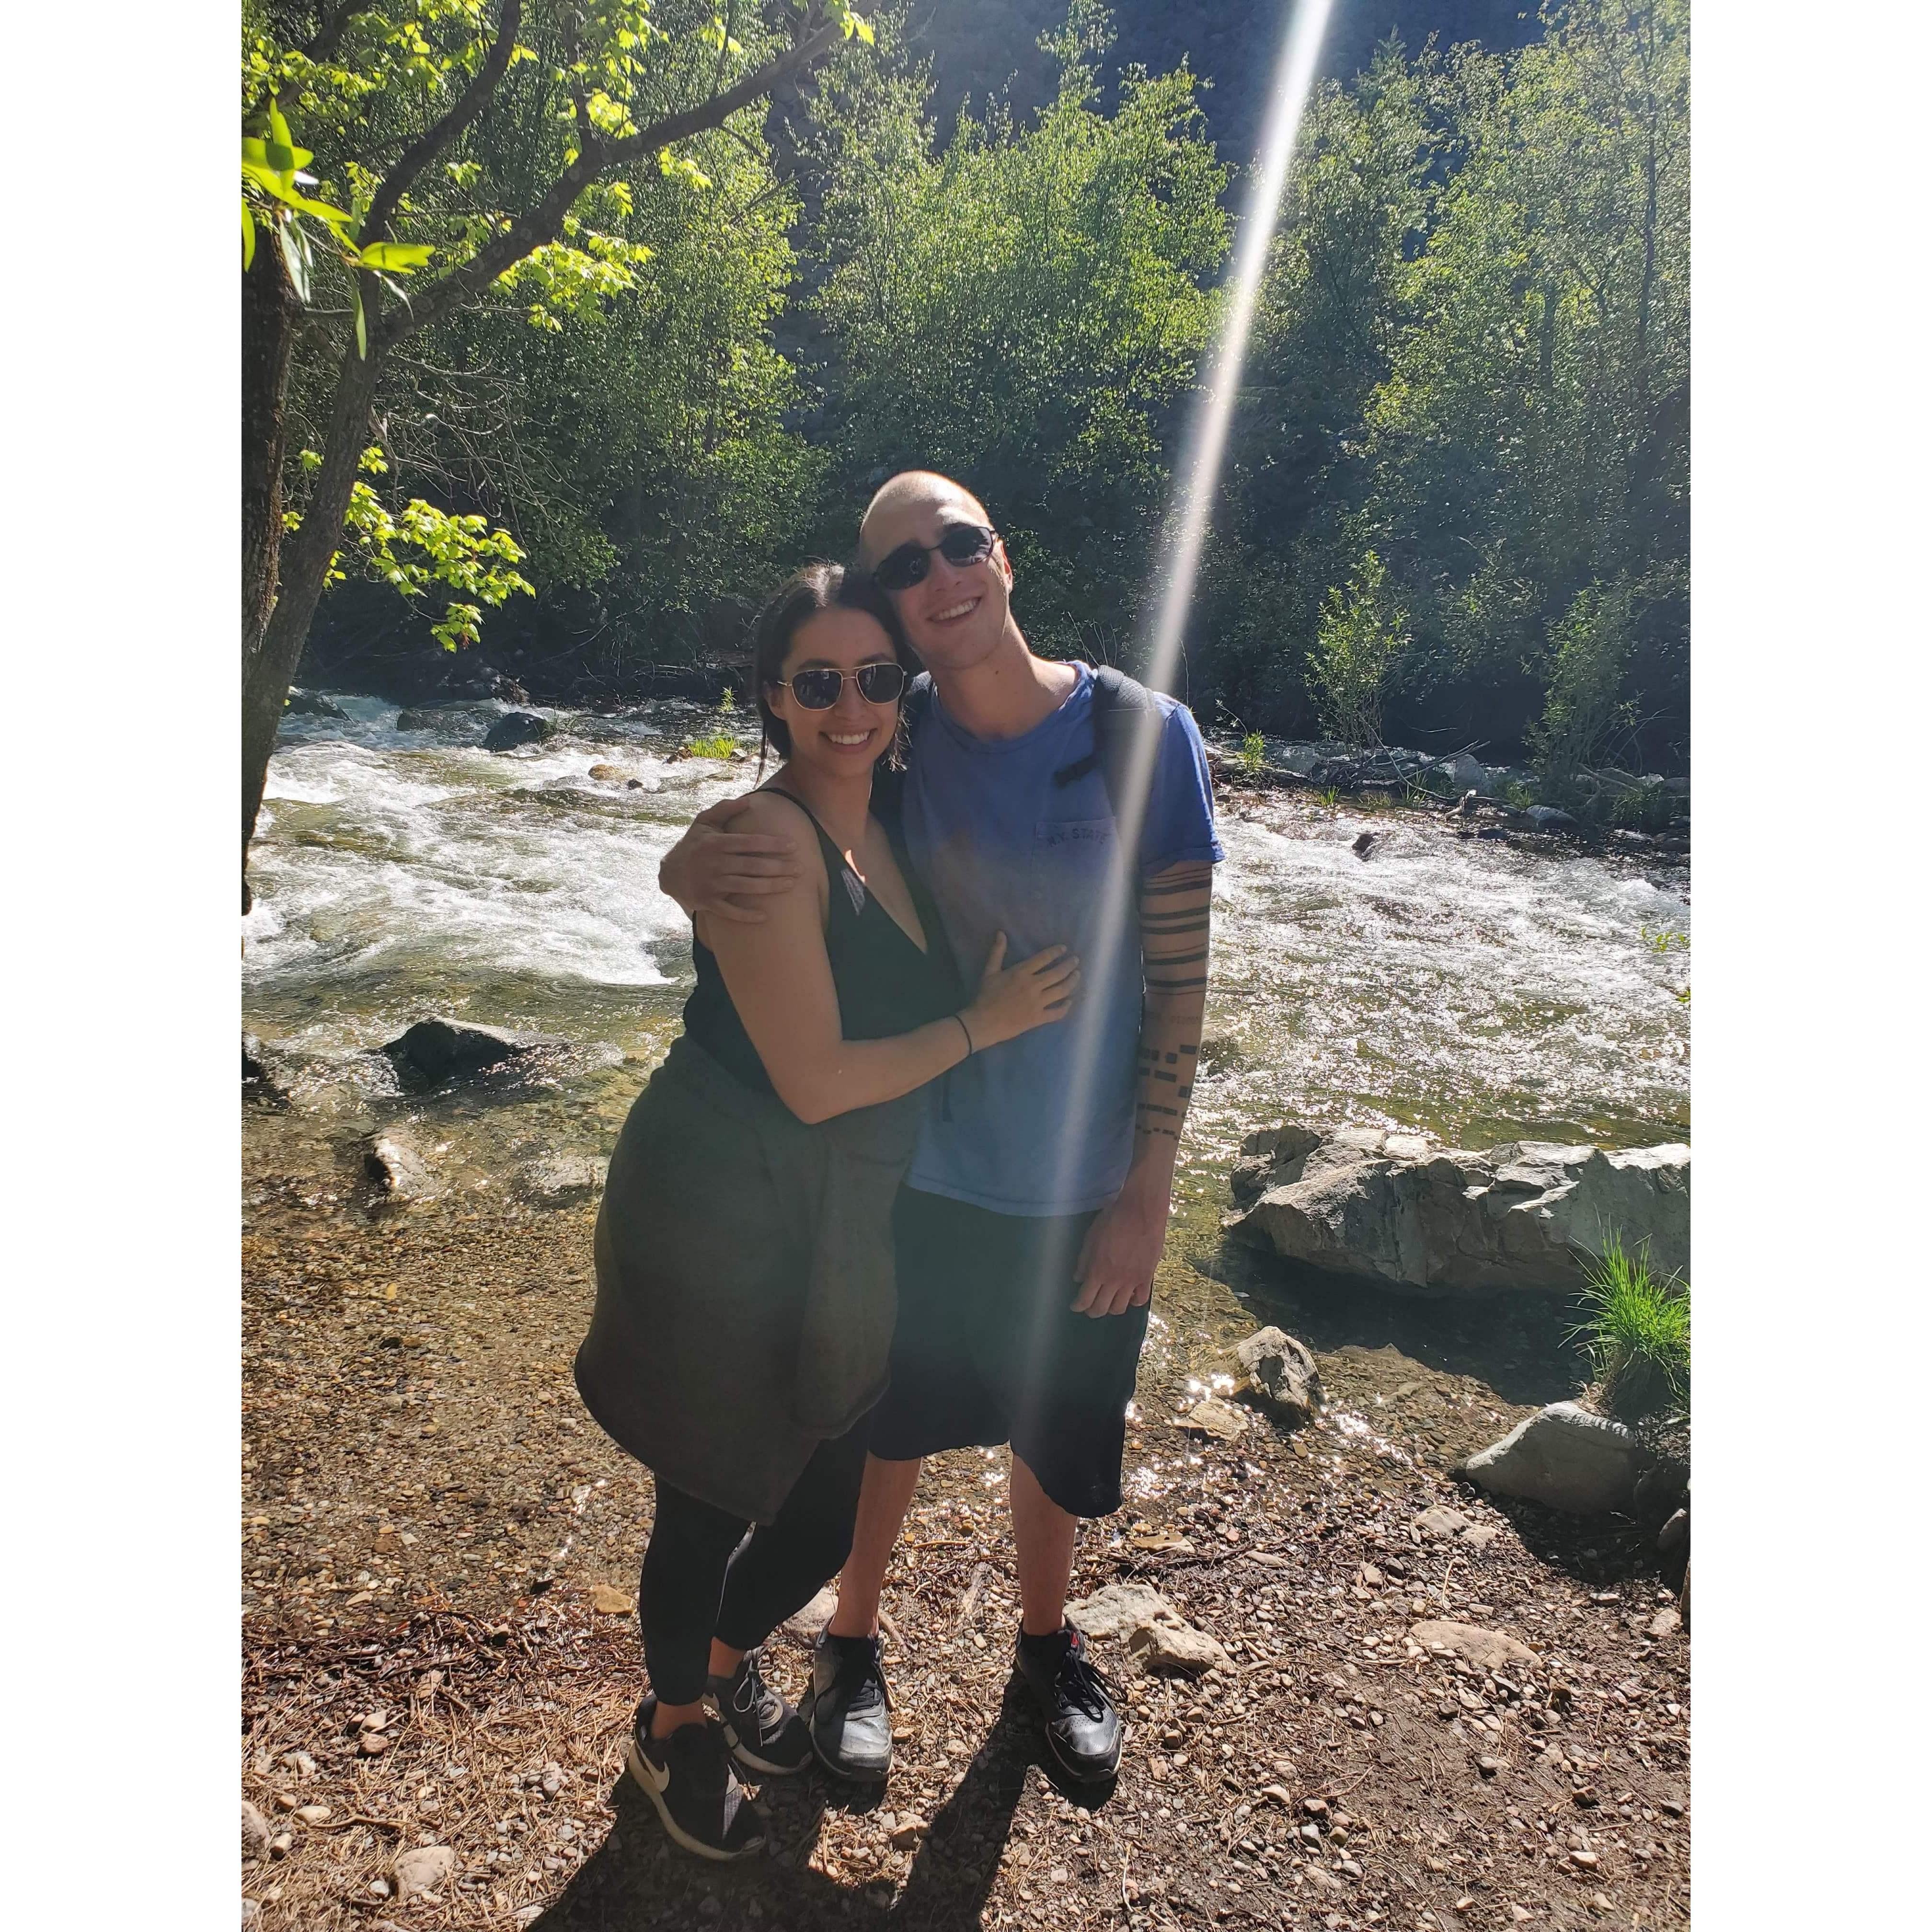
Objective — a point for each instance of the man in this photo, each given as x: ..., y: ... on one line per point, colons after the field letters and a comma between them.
x: 1030, y: 1224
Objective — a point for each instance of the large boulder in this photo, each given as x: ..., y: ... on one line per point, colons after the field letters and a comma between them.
x: 313, y: 704
x: 516, y: 728
x: 1565, y: 1457
x: 1463, y: 772
x: 441, y: 1049
x: 1392, y: 1209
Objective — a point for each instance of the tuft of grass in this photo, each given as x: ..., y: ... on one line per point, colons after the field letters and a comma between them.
x: 1636, y: 1327
x: 1517, y: 793
x: 1329, y: 795
x: 718, y: 744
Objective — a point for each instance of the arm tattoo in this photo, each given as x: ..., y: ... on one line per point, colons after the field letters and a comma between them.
x: 1174, y: 925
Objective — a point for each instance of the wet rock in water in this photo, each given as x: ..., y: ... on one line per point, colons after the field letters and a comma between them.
x: 516, y: 728
x: 397, y: 1169
x: 1565, y: 1457
x: 610, y: 774
x: 1282, y: 1377
x: 1487, y: 1649
x: 1549, y: 818
x: 1389, y: 1208
x: 507, y: 690
x: 1364, y: 844
x: 254, y: 1832
x: 415, y: 720
x: 312, y: 704
x: 558, y: 1178
x: 441, y: 1049
x: 1212, y: 1417
x: 424, y: 1869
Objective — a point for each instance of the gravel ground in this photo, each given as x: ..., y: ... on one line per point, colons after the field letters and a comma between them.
x: 437, y: 1540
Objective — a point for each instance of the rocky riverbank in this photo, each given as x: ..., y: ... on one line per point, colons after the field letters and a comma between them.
x: 1415, y: 1706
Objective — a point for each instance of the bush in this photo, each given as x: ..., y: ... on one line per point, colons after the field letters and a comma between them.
x: 1357, y: 647
x: 1583, y: 709
x: 1636, y: 1327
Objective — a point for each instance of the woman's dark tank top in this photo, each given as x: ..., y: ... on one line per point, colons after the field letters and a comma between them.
x: 886, y: 985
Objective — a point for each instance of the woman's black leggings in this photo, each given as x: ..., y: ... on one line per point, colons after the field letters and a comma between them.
x: 703, y: 1577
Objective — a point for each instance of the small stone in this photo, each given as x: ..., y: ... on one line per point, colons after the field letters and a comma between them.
x: 1521, y: 1914
x: 1176, y: 1646
x: 1666, y: 1623
x: 380, y: 1887
x: 552, y: 1781
x: 254, y: 1831
x: 1600, y: 1901
x: 609, y: 1603
x: 251, y: 1914
x: 313, y: 1814
x: 281, y: 1844
x: 1212, y: 1417
x: 806, y: 1625
x: 906, y: 1833
x: 1487, y: 1650
x: 1439, y: 1524
x: 424, y: 1868
x: 374, y: 1743
x: 1316, y: 1807
x: 1587, y: 1860
x: 1465, y: 1904
x: 1489, y: 1766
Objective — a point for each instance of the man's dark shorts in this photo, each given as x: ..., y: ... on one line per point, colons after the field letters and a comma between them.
x: 988, y: 1350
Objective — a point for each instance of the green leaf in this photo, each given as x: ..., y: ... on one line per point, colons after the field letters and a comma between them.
x: 401, y: 257
x: 248, y: 239
x: 278, y: 128
x: 361, y: 323
x: 295, y: 256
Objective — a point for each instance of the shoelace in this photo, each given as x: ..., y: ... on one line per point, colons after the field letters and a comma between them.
x: 754, y: 1697
x: 1083, y: 1685
x: 870, y: 1691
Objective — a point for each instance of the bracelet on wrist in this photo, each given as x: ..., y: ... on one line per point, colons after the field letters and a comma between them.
x: 970, y: 1049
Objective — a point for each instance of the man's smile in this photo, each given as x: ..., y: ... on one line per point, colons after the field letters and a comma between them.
x: 954, y: 612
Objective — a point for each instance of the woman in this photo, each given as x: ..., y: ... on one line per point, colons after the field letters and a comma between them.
x: 744, y: 1297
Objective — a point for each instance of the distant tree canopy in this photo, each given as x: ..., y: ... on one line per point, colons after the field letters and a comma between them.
x: 1460, y: 457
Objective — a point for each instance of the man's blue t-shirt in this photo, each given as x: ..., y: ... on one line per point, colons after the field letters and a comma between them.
x: 1042, y: 1124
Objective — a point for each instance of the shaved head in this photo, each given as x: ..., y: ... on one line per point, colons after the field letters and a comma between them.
x: 912, y: 490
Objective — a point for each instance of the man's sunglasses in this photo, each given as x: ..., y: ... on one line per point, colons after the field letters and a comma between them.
x: 959, y: 544
x: 817, y: 689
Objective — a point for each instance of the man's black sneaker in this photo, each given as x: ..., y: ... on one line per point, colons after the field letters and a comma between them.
x: 766, y: 1735
x: 1083, y: 1728
x: 848, y: 1708
x: 688, y: 1776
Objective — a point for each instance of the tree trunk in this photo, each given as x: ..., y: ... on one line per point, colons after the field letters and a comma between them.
x: 269, y: 317
x: 269, y: 668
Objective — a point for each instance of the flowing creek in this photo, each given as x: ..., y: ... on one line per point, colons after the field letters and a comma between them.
x: 1477, y: 991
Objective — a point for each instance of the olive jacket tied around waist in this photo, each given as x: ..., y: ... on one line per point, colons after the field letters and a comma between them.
x: 745, y: 1295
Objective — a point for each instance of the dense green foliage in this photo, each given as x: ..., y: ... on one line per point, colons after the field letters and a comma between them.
x: 1456, y: 508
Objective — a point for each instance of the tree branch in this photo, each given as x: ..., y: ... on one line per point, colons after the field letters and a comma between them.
x: 414, y: 159
x: 542, y: 224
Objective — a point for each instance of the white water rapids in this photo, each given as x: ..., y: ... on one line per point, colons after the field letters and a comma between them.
x: 1479, y: 991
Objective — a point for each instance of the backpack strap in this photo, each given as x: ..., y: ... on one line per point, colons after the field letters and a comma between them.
x: 1126, y: 715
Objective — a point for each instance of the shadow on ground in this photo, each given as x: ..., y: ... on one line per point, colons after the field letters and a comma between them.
x: 637, y: 1879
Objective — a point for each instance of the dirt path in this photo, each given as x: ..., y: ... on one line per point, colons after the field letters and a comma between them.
x: 429, y: 1516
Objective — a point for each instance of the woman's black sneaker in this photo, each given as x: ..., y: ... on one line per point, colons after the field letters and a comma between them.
x: 688, y: 1776
x: 766, y: 1735
x: 1083, y: 1728
x: 848, y: 1709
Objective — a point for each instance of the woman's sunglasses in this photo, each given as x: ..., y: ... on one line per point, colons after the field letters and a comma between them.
x: 959, y: 544
x: 817, y: 689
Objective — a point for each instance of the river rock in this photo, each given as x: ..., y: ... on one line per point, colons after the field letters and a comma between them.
x: 415, y: 720
x: 561, y: 1177
x: 610, y: 774
x: 441, y: 1049
x: 1174, y: 1644
x: 1464, y: 772
x: 254, y: 1832
x: 424, y: 1869
x: 1487, y: 1649
x: 398, y: 1168
x: 1549, y: 818
x: 1565, y: 1457
x: 313, y: 704
x: 516, y: 728
x: 1212, y: 1417
x: 1282, y: 1377
x: 1391, y: 1209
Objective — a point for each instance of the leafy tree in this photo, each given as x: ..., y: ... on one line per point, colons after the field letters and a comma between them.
x: 1022, y: 309
x: 497, y: 141
x: 1357, y: 647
